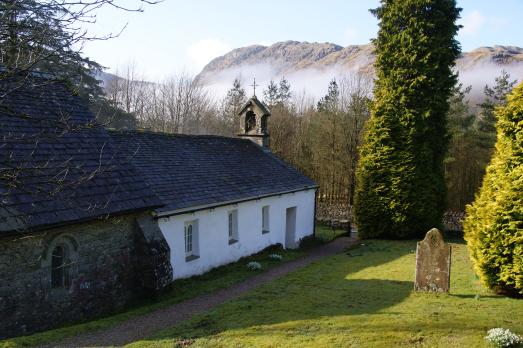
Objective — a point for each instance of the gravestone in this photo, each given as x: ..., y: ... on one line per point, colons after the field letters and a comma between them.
x: 433, y: 263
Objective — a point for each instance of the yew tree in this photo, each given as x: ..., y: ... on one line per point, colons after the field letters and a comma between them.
x: 494, y: 222
x: 400, y: 177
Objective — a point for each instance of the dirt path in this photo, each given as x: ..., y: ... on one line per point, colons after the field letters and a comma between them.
x: 144, y: 326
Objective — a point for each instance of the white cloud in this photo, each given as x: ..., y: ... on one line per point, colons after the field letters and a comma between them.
x: 203, y: 51
x: 472, y: 23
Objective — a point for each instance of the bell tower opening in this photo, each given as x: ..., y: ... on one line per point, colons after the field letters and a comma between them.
x: 254, y: 121
x: 250, y: 121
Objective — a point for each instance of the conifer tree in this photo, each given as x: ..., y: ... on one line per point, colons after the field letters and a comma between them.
x: 284, y: 92
x: 400, y: 178
x: 232, y: 103
x: 494, y: 96
x: 330, y: 101
x: 494, y: 223
x: 270, y: 95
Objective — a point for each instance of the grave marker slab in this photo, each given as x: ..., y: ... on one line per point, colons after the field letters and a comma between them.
x: 433, y: 258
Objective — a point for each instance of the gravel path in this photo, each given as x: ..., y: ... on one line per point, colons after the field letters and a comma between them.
x: 144, y: 326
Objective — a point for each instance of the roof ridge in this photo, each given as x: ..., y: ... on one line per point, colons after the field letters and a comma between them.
x: 173, y: 135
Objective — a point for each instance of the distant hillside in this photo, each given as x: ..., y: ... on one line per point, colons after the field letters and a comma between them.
x: 297, y: 60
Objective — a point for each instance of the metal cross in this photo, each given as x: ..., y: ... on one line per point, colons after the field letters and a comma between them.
x: 254, y: 85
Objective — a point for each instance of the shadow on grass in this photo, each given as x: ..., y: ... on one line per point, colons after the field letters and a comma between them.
x: 324, y: 289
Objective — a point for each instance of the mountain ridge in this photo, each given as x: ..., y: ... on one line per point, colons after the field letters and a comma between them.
x: 289, y: 57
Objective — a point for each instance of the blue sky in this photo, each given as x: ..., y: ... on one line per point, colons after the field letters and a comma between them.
x: 183, y: 35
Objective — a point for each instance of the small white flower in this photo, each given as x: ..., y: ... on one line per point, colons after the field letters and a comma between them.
x: 254, y: 266
x: 276, y: 257
x: 500, y: 337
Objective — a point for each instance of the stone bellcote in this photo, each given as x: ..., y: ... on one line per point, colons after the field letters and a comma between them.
x: 254, y: 117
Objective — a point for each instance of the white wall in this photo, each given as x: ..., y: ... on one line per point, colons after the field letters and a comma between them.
x: 214, y: 249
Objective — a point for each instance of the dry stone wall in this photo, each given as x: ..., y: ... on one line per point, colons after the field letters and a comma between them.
x: 328, y: 213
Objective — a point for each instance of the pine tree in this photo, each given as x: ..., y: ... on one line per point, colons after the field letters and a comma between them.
x: 233, y: 102
x: 400, y: 178
x: 41, y: 36
x: 494, y: 96
x: 270, y: 95
x: 284, y: 92
x: 494, y: 223
x: 330, y: 101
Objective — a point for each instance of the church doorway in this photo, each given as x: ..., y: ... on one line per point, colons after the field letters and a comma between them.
x: 290, y: 228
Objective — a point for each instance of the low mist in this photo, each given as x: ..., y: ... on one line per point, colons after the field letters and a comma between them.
x: 314, y: 82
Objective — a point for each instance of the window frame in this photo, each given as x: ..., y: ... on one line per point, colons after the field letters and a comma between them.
x: 190, y: 236
x: 232, y: 226
x: 69, y: 259
x: 266, y: 224
x: 61, y: 273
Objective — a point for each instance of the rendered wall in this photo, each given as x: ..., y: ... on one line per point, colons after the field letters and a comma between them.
x: 213, y: 240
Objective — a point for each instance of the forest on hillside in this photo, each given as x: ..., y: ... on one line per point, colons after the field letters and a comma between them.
x: 320, y: 138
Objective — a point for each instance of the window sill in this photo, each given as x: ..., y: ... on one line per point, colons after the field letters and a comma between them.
x: 232, y: 241
x: 191, y: 258
x: 265, y: 231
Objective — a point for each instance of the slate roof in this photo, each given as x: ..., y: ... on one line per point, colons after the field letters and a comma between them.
x: 189, y: 171
x: 56, y: 164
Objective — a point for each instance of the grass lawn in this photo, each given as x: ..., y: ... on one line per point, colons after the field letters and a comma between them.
x: 363, y: 299
x: 326, y: 234
x: 182, y: 289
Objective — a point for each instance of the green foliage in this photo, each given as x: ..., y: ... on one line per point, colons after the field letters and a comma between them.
x: 464, y: 164
x: 231, y: 106
x: 494, y: 223
x: 472, y: 138
x: 330, y: 102
x: 43, y: 36
x: 494, y: 97
x: 400, y: 177
x: 278, y: 94
x: 284, y: 92
x: 110, y: 116
x: 270, y: 95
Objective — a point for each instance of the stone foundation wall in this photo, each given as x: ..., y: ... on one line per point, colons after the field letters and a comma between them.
x: 326, y: 212
x: 103, y: 278
x: 333, y: 214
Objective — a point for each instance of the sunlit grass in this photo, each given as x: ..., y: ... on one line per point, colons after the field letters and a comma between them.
x: 363, y: 299
x: 326, y: 234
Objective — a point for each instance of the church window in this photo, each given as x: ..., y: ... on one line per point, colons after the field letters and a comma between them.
x: 188, y: 239
x: 191, y: 240
x: 60, y: 267
x: 250, y: 121
x: 265, y: 219
x: 233, y: 226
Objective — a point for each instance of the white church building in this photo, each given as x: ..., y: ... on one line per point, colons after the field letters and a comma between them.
x: 131, y: 210
x: 223, y: 198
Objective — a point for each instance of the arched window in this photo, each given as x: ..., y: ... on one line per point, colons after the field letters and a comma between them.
x: 61, y: 267
x: 250, y: 121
